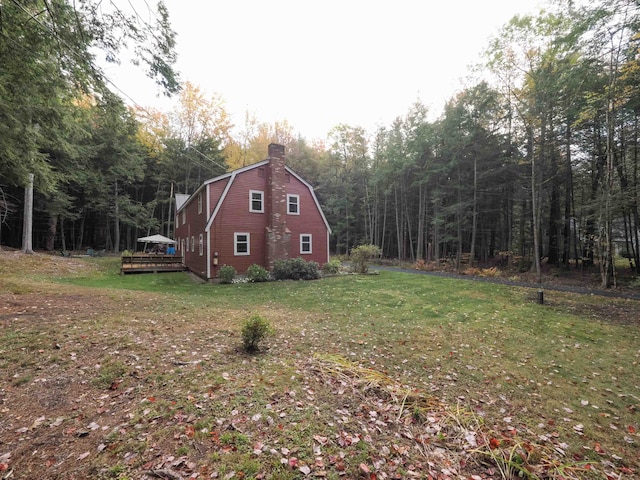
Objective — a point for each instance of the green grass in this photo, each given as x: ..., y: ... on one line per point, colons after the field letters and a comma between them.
x: 487, y: 349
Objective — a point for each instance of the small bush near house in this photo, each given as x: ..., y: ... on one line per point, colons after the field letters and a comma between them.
x: 256, y: 273
x: 254, y: 330
x: 361, y: 255
x: 295, y: 269
x: 332, y: 267
x: 226, y: 274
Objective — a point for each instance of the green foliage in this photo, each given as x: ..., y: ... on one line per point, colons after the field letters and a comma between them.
x: 295, y: 269
x: 257, y: 273
x: 226, y: 274
x: 361, y: 255
x: 254, y: 330
x: 332, y: 267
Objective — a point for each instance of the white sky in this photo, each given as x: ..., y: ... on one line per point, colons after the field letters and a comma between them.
x: 319, y: 64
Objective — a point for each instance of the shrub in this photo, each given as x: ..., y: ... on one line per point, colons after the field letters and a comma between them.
x: 332, y: 267
x: 425, y: 266
x: 489, y: 272
x: 256, y: 273
x: 361, y: 255
x: 226, y: 274
x: 295, y: 269
x: 254, y: 330
x: 420, y: 264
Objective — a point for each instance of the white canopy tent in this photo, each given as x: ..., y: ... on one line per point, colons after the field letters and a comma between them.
x: 156, y: 239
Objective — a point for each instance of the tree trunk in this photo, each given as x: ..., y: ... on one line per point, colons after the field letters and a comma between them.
x: 63, y: 241
x: 27, y: 226
x: 474, y: 220
x: 52, y: 226
x: 568, y: 199
x: 420, y: 254
x: 536, y: 208
x: 170, y: 213
x: 116, y: 222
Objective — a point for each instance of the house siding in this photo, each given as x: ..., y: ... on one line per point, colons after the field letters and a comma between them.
x: 309, y: 221
x: 234, y: 217
x: 195, y: 225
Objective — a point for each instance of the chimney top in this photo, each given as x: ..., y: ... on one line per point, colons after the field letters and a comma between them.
x: 276, y: 150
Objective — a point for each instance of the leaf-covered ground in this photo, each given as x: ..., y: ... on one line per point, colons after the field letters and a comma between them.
x: 117, y: 383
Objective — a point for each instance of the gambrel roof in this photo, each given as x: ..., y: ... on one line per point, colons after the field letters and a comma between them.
x: 232, y: 176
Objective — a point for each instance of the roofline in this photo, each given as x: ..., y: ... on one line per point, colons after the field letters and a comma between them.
x: 207, y: 228
x: 232, y: 176
x: 222, y: 177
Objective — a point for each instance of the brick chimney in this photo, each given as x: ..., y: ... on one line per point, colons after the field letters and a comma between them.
x: 278, y: 235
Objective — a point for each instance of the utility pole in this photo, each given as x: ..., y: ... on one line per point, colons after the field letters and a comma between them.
x: 27, y: 227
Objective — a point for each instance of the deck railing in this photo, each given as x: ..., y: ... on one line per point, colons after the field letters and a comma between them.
x: 151, y: 262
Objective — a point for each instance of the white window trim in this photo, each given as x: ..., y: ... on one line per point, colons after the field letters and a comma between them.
x: 200, y: 245
x: 235, y: 244
x: 200, y: 202
x: 251, y: 209
x: 289, y: 197
x: 193, y: 243
x: 184, y: 217
x: 310, y: 242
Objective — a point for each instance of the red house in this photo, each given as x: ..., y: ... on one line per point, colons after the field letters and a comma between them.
x: 256, y: 214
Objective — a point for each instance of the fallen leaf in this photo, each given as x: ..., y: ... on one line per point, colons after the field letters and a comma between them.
x: 305, y: 469
x: 82, y: 456
x: 37, y: 422
x: 321, y: 440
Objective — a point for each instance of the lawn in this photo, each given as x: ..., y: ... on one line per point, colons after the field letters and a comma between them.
x: 375, y: 376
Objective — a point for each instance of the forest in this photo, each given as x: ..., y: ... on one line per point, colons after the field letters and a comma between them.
x: 536, y: 159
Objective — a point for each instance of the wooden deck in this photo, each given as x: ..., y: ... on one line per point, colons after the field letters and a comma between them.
x: 151, y: 263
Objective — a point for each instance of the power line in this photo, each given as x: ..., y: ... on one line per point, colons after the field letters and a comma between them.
x: 208, y: 158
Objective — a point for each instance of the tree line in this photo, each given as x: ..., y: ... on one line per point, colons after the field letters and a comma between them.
x: 535, y: 160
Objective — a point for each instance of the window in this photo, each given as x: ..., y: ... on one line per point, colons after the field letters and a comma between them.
x: 184, y: 217
x: 305, y: 243
x: 193, y: 243
x: 200, y: 202
x: 241, y: 244
x: 293, y: 204
x: 256, y: 203
x: 200, y: 245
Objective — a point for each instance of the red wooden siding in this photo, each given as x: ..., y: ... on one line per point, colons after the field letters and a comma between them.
x: 195, y: 225
x: 234, y: 217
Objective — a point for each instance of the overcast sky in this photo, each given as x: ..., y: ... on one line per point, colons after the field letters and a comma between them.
x: 318, y: 64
